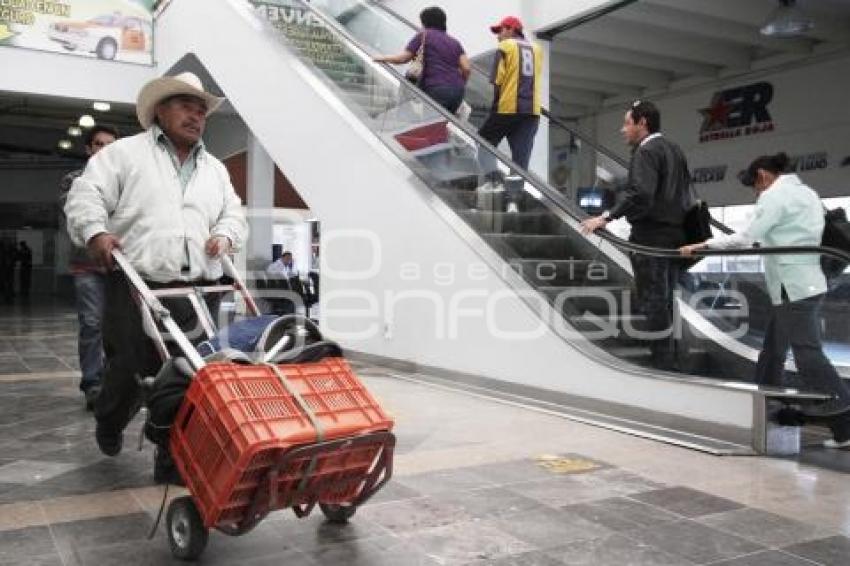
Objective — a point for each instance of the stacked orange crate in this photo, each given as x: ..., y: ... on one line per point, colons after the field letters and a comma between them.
x: 237, y: 420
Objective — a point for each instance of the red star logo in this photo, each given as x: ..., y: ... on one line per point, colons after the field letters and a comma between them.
x: 717, y: 115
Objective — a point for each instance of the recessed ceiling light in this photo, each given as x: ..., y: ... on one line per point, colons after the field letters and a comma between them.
x: 65, y: 144
x: 75, y: 131
x: 101, y: 106
x: 86, y: 121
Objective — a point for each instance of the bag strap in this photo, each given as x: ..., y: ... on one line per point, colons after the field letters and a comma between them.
x: 420, y: 53
x: 317, y: 425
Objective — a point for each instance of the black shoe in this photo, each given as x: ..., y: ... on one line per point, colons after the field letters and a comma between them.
x: 91, y: 395
x: 108, y: 440
x: 164, y: 469
x: 789, y: 416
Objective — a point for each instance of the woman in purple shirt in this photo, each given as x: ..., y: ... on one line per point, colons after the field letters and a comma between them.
x: 446, y: 66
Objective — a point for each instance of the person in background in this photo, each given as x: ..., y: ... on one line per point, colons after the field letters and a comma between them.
x: 8, y: 258
x: 283, y: 267
x: 516, y: 79
x: 287, y: 279
x: 446, y: 67
x: 655, y: 200
x: 24, y: 258
x: 789, y: 213
x: 89, y: 280
x: 168, y: 204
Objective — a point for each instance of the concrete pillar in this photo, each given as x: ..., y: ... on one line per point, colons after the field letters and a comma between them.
x: 260, y: 203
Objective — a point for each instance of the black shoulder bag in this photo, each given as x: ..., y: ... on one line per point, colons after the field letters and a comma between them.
x: 836, y: 234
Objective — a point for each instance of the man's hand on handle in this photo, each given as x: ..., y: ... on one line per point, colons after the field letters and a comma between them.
x: 593, y: 224
x: 217, y: 246
x: 100, y: 248
x: 689, y: 250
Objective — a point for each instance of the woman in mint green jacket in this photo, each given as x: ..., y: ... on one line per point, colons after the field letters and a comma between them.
x: 789, y: 213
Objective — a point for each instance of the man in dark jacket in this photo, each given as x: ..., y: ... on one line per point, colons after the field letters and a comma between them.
x: 655, y: 201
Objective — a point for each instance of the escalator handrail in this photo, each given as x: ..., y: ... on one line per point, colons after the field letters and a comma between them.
x: 556, y: 199
x: 834, y: 253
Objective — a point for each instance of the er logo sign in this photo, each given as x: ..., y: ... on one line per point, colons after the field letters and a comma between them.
x: 736, y: 112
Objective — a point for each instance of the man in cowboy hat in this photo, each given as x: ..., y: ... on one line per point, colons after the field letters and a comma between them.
x: 169, y: 206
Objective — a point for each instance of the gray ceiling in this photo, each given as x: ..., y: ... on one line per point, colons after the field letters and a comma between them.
x: 652, y: 46
x: 31, y: 125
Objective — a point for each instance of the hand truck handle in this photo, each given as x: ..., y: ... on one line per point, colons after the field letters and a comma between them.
x: 158, y: 310
x: 238, y: 284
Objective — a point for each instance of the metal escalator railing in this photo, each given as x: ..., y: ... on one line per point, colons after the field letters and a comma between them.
x: 533, y: 179
x: 444, y: 153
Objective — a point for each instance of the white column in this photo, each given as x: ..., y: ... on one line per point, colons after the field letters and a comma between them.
x: 260, y: 202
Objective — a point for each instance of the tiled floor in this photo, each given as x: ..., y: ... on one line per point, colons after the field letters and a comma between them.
x: 476, y: 482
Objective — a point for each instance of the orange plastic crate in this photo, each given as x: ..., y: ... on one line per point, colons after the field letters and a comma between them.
x: 237, y: 420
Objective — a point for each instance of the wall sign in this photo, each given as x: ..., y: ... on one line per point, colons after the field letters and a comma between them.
x: 119, y: 30
x: 736, y: 112
x: 809, y: 161
x: 713, y: 174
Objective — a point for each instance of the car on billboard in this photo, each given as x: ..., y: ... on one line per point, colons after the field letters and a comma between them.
x: 104, y: 35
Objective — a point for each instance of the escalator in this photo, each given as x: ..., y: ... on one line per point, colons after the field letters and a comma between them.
x: 586, y: 280
x: 367, y: 149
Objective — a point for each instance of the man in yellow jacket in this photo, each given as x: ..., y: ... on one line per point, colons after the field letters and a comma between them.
x: 516, y: 79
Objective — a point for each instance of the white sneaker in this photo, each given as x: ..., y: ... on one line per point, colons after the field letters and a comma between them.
x: 834, y: 444
x: 490, y: 187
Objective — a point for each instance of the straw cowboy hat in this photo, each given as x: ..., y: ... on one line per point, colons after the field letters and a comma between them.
x: 159, y: 89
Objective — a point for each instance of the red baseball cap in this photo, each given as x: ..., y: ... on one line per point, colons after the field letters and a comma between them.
x: 507, y: 22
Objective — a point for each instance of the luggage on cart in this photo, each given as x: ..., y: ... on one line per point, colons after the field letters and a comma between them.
x: 284, y: 427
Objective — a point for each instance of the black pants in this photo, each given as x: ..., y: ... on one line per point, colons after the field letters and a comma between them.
x: 130, y: 352
x: 656, y: 279
x: 795, y: 325
x: 449, y: 97
x: 25, y: 280
x: 520, y: 129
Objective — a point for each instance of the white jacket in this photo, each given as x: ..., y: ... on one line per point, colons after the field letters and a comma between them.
x: 789, y: 213
x: 131, y: 189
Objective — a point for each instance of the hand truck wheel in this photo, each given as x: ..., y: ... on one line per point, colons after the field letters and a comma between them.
x: 187, y: 534
x: 336, y: 513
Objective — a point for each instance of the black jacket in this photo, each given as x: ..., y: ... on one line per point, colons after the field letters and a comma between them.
x: 657, y: 194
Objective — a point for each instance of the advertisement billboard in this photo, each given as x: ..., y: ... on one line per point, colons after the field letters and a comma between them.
x: 111, y: 30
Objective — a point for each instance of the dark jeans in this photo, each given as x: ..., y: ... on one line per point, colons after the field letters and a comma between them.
x: 25, y: 280
x: 130, y: 352
x: 520, y: 130
x: 795, y: 325
x: 89, y: 288
x: 449, y: 97
x: 655, y: 283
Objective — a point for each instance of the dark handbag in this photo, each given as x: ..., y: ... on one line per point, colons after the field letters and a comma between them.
x: 836, y: 234
x: 697, y: 223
